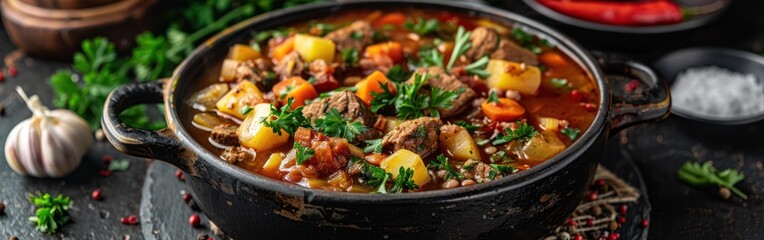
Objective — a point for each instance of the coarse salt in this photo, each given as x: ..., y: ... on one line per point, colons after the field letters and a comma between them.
x: 718, y: 93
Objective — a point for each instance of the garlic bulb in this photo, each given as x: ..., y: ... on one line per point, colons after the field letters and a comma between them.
x: 50, y: 143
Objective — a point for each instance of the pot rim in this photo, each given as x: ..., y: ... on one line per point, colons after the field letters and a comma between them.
x: 514, y: 181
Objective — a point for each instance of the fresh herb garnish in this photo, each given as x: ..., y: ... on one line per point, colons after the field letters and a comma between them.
x: 51, y: 213
x: 263, y: 36
x: 500, y: 157
x: 572, y: 133
x: 350, y: 56
x: 303, y: 153
x: 371, y: 175
x: 461, y: 45
x: 383, y: 187
x: 504, y: 170
x: 321, y: 29
x: 430, y: 57
x: 119, y: 165
x: 492, y: 98
x: 478, y: 67
x: 286, y: 119
x: 492, y: 174
x: 470, y: 127
x: 523, y: 133
x: 441, y: 163
x: 374, y: 146
x: 696, y: 174
x: 403, y: 181
x: 398, y: 74
x: 526, y: 40
x: 422, y: 26
x: 559, y: 82
x: 409, y: 104
x: 333, y: 124
x: 357, y: 35
x: 245, y: 110
x: 469, y: 166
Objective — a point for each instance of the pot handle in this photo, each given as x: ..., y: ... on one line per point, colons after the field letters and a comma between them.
x: 160, y: 144
x: 637, y: 93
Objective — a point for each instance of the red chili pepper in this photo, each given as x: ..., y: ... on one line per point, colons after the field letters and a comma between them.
x: 642, y: 13
x: 96, y: 195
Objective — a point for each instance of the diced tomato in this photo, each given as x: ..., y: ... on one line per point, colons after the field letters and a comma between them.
x: 394, y: 18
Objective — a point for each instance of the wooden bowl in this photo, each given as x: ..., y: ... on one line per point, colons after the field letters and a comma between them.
x: 68, y: 4
x: 57, y: 33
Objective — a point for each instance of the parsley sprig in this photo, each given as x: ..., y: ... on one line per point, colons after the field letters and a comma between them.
x: 461, y: 45
x: 303, y: 153
x: 404, y: 181
x: 350, y: 56
x: 523, y: 133
x: 286, y: 119
x: 398, y: 74
x: 469, y: 126
x: 572, y: 133
x: 373, y: 146
x: 696, y: 174
x: 430, y: 57
x: 333, y: 124
x: 51, y: 213
x: 408, y: 103
x: 422, y: 26
x: 441, y: 163
x: 492, y: 98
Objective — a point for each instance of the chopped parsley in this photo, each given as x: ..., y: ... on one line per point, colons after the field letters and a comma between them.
x: 51, y: 213
x: 461, y: 45
x: 478, y: 68
x: 409, y: 103
x: 357, y: 35
x: 572, y: 133
x: 469, y: 166
x: 430, y: 57
x: 504, y: 170
x: 275, y: 33
x: 526, y: 40
x: 492, y: 98
x: 286, y: 119
x: 695, y: 174
x: 500, y: 157
x: 333, y: 124
x: 492, y: 174
x: 246, y: 109
x: 350, y: 56
x: 404, y: 181
x: 398, y: 74
x: 441, y: 163
x: 559, y: 82
x: 523, y: 133
x: 374, y: 146
x: 422, y: 26
x: 470, y: 127
x: 371, y: 175
x: 303, y: 153
x: 321, y: 29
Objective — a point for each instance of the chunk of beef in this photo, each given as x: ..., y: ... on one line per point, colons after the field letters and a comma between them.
x: 479, y: 171
x: 510, y: 51
x: 418, y: 135
x: 357, y: 35
x: 349, y: 106
x: 484, y: 42
x: 253, y: 70
x: 437, y: 77
x: 225, y: 134
x: 487, y: 42
x: 290, y: 65
x: 236, y: 154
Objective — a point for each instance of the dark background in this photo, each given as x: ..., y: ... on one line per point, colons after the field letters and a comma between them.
x: 659, y: 149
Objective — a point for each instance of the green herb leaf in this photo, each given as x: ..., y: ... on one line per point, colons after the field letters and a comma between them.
x: 52, y: 213
x: 357, y: 35
x: 286, y: 119
x: 696, y: 174
x: 119, y: 165
x: 461, y: 45
x: 403, y: 181
x: 422, y: 26
x: 350, y: 56
x: 572, y: 133
x: 372, y: 175
x: 321, y: 29
x: 478, y: 67
x: 492, y: 98
x: 559, y: 82
x: 441, y: 163
x: 373, y: 146
x: 469, y: 166
x: 333, y: 124
x: 470, y: 127
x: 245, y: 110
x: 303, y: 153
x: 430, y: 57
x: 523, y: 133
x: 500, y: 157
x: 398, y: 74
x: 504, y: 170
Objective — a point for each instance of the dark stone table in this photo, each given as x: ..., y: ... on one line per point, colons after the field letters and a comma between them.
x: 679, y: 211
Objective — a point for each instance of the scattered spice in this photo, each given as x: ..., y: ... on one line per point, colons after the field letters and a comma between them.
x: 106, y: 159
x: 2, y: 77
x: 696, y: 174
x: 724, y: 193
x: 644, y: 223
x: 129, y: 220
x: 105, y: 172
x: 96, y: 195
x: 194, y: 220
x: 2, y: 110
x: 576, y: 96
x: 187, y: 197
x: 2, y: 208
x: 203, y: 236
x: 179, y: 175
x: 12, y: 71
x: 631, y: 86
x: 13, y: 238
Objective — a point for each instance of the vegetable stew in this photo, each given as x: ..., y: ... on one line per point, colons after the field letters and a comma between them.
x: 392, y: 101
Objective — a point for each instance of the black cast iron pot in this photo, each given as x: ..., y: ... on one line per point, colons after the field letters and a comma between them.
x: 525, y: 205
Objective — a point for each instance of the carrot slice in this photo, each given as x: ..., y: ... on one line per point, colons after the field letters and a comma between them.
x: 283, y: 49
x: 372, y: 84
x: 505, y: 111
x: 553, y: 59
x: 395, y: 18
x: 393, y: 50
x: 297, y: 88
